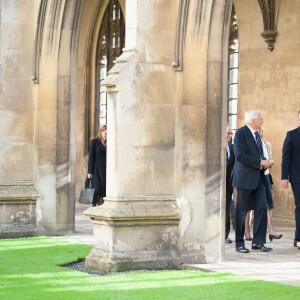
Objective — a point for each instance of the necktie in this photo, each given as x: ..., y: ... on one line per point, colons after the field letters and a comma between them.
x: 259, y: 143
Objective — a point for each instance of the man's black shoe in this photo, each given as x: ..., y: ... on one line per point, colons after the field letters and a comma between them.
x: 228, y: 241
x: 242, y: 249
x: 261, y: 247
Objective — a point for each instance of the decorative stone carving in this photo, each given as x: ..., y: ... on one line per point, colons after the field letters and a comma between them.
x: 269, y: 9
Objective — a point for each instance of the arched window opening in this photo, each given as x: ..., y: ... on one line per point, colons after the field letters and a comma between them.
x: 111, y: 41
x: 233, y: 71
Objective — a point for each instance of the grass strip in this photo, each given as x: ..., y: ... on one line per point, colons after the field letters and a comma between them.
x: 30, y: 270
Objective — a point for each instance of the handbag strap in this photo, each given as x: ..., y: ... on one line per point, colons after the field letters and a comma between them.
x: 89, y: 183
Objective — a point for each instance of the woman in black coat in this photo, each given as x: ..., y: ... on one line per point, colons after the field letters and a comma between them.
x: 97, y: 165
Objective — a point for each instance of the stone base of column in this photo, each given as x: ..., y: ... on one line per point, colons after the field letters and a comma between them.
x: 134, y: 234
x: 17, y: 210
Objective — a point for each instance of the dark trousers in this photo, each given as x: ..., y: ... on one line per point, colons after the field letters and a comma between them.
x: 296, y: 192
x: 259, y: 202
x: 229, y: 190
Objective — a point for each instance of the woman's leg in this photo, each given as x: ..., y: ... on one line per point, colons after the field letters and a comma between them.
x: 270, y: 222
x: 247, y: 225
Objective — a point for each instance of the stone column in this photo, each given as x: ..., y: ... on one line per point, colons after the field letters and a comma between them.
x: 17, y: 192
x: 136, y: 227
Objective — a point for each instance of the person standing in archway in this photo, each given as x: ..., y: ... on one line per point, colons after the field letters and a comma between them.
x: 229, y: 189
x: 97, y: 165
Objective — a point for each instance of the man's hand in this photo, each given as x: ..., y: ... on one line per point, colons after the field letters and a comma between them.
x: 267, y: 163
x: 89, y: 175
x: 284, y: 183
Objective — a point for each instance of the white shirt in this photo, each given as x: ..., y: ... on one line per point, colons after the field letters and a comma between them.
x: 252, y: 131
x: 266, y: 155
x: 227, y: 149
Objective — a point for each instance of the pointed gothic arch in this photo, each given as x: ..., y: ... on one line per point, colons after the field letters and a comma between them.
x: 64, y: 63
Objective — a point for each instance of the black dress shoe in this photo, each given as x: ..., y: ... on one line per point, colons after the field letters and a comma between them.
x: 228, y: 241
x: 261, y: 247
x: 242, y: 249
x: 275, y: 236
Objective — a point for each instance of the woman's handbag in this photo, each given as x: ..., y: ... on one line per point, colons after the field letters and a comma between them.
x: 87, y: 193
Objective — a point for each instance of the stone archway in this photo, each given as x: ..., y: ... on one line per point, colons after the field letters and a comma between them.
x: 192, y: 135
x: 55, y: 114
x: 191, y: 132
x: 64, y: 79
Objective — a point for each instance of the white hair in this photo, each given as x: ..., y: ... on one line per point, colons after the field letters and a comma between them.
x: 251, y: 115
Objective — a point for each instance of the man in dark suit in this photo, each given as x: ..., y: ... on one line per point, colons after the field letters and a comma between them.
x: 229, y: 189
x: 290, y: 172
x: 248, y: 178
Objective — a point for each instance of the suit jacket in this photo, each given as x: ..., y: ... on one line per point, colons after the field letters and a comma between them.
x: 246, y: 171
x: 230, y: 161
x: 290, y: 166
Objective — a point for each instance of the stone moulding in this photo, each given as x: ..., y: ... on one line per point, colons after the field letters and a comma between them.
x: 134, y: 234
x: 38, y: 40
x: 180, y: 34
x: 17, y: 209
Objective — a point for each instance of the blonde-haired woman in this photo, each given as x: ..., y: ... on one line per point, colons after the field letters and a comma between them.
x: 97, y: 164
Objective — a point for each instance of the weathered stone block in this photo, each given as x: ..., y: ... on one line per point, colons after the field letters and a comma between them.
x: 17, y: 210
x: 134, y: 234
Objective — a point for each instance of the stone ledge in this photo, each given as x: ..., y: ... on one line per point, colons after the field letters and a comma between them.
x: 161, y: 210
x: 18, y: 191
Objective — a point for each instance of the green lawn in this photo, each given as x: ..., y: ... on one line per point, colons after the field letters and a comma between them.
x: 29, y: 270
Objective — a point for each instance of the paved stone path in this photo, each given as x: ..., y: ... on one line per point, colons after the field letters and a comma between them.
x: 280, y: 265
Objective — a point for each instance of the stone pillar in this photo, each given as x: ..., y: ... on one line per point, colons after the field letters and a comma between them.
x: 136, y: 227
x: 17, y: 192
x: 55, y: 115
